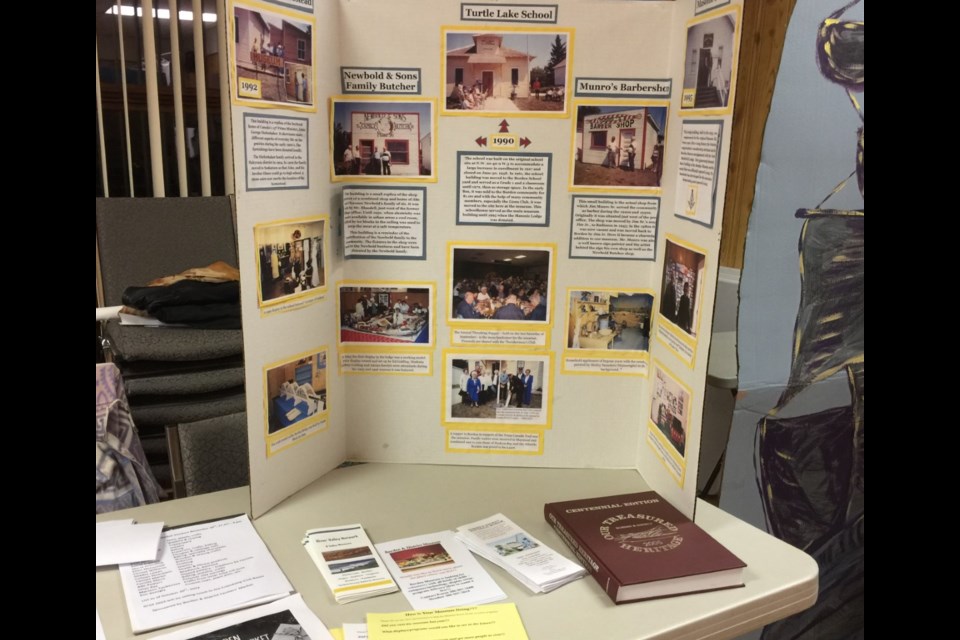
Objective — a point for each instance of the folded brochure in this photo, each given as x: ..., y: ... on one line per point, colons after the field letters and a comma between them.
x: 348, y: 562
x: 502, y: 542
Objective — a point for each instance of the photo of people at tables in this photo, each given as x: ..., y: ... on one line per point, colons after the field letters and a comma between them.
x: 682, y: 273
x: 506, y: 285
x: 296, y: 391
x: 398, y: 315
x: 614, y: 320
x: 669, y: 409
x: 493, y: 389
x: 291, y: 259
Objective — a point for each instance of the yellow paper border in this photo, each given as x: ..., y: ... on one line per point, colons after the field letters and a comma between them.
x: 521, y: 427
x: 503, y: 452
x: 385, y: 180
x: 735, y: 61
x: 668, y: 326
x: 612, y: 102
x: 384, y: 346
x: 273, y: 307
x: 652, y: 427
x: 323, y: 416
x: 299, y: 16
x: 482, y: 28
x: 514, y: 325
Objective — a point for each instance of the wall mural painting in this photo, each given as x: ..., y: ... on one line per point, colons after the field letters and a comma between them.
x: 811, y: 466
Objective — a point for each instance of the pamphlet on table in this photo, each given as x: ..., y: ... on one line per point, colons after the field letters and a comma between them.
x: 348, y: 563
x: 537, y: 566
x: 436, y: 570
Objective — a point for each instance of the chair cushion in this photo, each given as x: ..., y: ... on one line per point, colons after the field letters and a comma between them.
x: 170, y: 343
x: 214, y: 454
x: 158, y: 411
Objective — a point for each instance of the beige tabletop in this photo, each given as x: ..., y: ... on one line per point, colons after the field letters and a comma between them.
x: 400, y: 500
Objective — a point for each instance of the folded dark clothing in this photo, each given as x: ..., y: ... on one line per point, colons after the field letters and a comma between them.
x: 180, y: 293
x: 204, y: 316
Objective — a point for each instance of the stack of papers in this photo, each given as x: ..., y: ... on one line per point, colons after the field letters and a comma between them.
x: 348, y: 562
x: 434, y: 570
x: 203, y: 570
x: 537, y: 566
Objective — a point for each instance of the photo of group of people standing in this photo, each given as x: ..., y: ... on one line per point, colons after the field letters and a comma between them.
x: 489, y: 388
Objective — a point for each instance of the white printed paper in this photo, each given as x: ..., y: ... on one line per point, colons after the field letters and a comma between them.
x: 122, y: 542
x: 435, y: 570
x: 203, y: 570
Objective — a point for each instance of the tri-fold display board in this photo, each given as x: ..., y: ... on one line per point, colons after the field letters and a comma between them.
x: 479, y: 233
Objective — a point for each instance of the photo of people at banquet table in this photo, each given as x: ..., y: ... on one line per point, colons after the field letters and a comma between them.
x: 500, y: 284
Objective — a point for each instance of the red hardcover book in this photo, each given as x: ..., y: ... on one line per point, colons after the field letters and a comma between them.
x: 637, y: 547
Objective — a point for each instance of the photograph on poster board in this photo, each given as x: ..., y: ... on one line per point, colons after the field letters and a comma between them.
x: 707, y: 71
x: 386, y: 140
x: 494, y: 282
x: 682, y: 287
x: 386, y: 314
x: 619, y: 147
x: 609, y: 320
x: 670, y: 409
x: 290, y: 258
x: 500, y: 71
x: 497, y: 389
x: 296, y: 392
x: 274, y: 57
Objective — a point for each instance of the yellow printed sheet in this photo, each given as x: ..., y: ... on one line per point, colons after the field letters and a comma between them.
x: 485, y: 622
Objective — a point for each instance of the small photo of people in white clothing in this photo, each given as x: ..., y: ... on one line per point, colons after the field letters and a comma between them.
x: 385, y: 313
x: 708, y: 68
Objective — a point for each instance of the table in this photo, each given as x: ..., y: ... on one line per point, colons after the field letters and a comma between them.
x: 400, y: 500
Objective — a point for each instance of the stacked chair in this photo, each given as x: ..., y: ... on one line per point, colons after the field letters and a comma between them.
x: 174, y: 377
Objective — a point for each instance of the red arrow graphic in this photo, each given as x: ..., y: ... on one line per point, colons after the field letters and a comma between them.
x: 504, y: 126
x: 481, y: 141
x: 525, y: 142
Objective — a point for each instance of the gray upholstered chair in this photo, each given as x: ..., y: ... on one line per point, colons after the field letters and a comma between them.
x: 209, y: 455
x: 173, y: 376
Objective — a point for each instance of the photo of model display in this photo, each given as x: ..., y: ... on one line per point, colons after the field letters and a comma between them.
x: 386, y: 315
x: 609, y: 320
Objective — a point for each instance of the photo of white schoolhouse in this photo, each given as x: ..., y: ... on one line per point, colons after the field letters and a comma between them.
x: 500, y: 70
